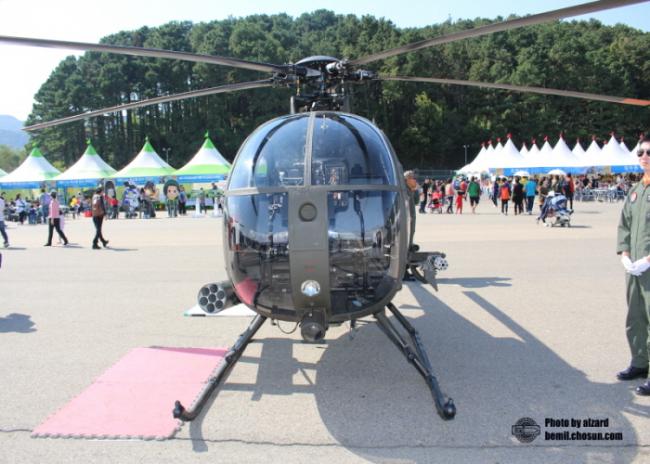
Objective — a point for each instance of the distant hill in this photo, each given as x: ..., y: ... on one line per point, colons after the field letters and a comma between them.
x: 10, y: 133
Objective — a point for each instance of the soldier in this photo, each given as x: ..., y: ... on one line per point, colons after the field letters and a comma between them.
x: 414, y: 197
x: 634, y: 248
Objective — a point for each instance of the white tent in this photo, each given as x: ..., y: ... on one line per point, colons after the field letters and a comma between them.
x: 87, y: 171
x: 499, y: 146
x: 546, y: 149
x: 524, y: 150
x: 2, y: 173
x: 34, y: 172
x: 612, y: 155
x: 490, y: 148
x: 147, y: 166
x: 580, y: 153
x: 633, y: 158
x: 530, y: 154
x: 561, y: 157
x: 507, y: 158
x: 623, y: 146
x: 536, y: 159
x: 208, y: 165
x: 478, y: 164
x: 593, y: 154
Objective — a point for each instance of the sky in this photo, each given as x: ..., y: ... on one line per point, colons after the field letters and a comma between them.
x: 24, y: 69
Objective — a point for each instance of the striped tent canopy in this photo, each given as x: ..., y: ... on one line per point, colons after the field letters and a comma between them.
x: 146, y: 166
x: 34, y: 172
x: 207, y: 165
x: 87, y: 171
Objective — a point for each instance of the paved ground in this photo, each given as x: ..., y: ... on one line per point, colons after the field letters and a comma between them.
x: 528, y: 322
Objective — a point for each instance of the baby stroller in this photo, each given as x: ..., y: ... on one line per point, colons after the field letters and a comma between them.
x: 555, y: 207
x: 435, y: 205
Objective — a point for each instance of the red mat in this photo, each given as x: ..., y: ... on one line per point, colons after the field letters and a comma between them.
x: 135, y: 397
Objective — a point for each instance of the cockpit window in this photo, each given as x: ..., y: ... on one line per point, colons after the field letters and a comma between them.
x: 273, y: 156
x: 347, y: 150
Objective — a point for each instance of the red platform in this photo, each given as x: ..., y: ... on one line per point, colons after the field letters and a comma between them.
x: 135, y: 397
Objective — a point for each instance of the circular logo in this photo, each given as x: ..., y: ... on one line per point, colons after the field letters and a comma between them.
x: 526, y: 430
x: 633, y: 197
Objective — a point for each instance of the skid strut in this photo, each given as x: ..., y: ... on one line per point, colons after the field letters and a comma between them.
x: 418, y: 357
x: 229, y: 361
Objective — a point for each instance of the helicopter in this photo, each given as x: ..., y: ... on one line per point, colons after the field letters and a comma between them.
x: 316, y: 210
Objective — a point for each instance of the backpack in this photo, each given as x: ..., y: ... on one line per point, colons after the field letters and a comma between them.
x: 505, y: 192
x: 98, y: 206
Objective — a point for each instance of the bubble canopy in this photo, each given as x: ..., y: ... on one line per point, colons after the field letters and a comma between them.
x: 321, y: 148
x: 314, y: 218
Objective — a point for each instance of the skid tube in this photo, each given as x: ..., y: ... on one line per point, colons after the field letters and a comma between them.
x: 418, y: 357
x: 229, y: 361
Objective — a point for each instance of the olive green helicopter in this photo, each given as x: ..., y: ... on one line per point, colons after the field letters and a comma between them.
x: 316, y: 213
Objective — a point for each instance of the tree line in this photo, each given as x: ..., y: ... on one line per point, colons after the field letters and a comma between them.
x: 428, y: 124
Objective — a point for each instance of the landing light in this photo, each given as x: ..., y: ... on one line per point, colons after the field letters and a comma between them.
x: 310, y: 288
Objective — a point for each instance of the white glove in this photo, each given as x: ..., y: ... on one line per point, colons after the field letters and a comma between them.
x: 627, y: 263
x: 639, y: 267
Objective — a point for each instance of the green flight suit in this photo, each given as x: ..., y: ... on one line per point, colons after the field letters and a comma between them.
x: 634, y: 237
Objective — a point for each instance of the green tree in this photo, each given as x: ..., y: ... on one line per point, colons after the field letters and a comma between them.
x: 10, y: 158
x: 428, y: 124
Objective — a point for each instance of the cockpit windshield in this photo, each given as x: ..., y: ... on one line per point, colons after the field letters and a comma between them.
x: 346, y: 150
x: 273, y: 156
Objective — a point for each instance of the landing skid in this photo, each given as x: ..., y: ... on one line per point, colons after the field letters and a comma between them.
x: 229, y: 361
x: 416, y: 355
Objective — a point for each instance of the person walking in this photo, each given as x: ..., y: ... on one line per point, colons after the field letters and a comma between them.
x: 425, y: 192
x: 413, y: 198
x: 474, y: 192
x: 44, y: 200
x: 54, y: 221
x: 568, y: 188
x: 449, y: 195
x: 633, y: 237
x: 495, y: 191
x: 504, y: 194
x: 182, y: 201
x: 21, y: 208
x: 531, y: 189
x: 518, y: 197
x: 460, y: 197
x: 3, y: 230
x: 98, y: 206
x: 543, y: 192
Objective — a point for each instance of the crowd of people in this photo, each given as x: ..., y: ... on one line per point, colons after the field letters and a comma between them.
x: 47, y: 208
x: 438, y: 196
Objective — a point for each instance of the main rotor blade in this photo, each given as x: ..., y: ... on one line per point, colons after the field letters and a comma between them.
x: 502, y: 26
x: 153, y: 101
x: 520, y: 88
x: 138, y: 51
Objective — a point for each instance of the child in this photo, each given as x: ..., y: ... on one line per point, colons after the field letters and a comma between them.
x: 505, y: 197
x: 459, y: 202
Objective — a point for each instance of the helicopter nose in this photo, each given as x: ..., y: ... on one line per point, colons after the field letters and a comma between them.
x: 313, y: 326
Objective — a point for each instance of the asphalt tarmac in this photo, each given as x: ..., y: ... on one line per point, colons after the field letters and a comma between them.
x: 528, y: 322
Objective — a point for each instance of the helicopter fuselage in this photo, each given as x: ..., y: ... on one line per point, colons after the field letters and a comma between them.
x: 316, y: 219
